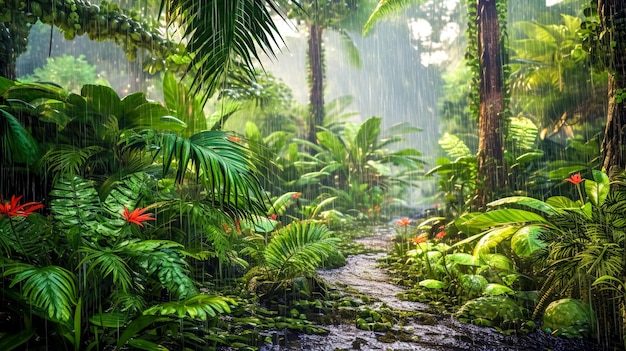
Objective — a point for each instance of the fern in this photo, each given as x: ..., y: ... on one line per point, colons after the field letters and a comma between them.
x: 51, y: 289
x: 108, y: 262
x: 126, y: 193
x: 200, y: 306
x: 75, y: 205
x: 454, y: 147
x: 68, y: 159
x: 298, y: 250
x: 161, y: 258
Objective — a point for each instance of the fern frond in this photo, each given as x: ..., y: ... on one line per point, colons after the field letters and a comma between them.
x: 200, y: 306
x: 75, y: 205
x: 299, y: 249
x: 107, y: 262
x: 51, y: 289
x: 68, y: 159
x: 454, y: 147
x: 162, y: 259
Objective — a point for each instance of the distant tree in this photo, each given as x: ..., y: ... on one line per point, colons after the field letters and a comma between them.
x: 318, y: 16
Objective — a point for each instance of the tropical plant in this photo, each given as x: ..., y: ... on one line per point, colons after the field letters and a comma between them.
x: 293, y: 252
x: 571, y: 243
x: 78, y: 276
x: 66, y: 71
x: 354, y: 164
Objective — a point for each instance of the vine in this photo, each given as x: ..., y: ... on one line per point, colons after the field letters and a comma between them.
x: 104, y: 22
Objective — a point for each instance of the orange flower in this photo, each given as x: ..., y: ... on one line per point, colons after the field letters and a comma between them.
x: 575, y: 179
x: 273, y: 216
x: 296, y: 195
x: 419, y: 239
x: 14, y: 209
x: 440, y: 235
x: 376, y: 208
x: 234, y: 138
x: 404, y: 222
x: 137, y: 216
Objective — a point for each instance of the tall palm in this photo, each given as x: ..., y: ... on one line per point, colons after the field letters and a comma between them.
x: 318, y: 16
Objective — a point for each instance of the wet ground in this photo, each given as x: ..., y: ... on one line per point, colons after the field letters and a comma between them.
x: 436, y: 332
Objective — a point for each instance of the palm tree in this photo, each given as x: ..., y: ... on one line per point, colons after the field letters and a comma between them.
x: 220, y: 35
x: 319, y: 15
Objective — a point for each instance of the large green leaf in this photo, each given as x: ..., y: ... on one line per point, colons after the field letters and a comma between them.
x: 497, y: 289
x: 492, y: 239
x: 200, y: 306
x: 526, y: 240
x: 16, y: 142
x: 432, y: 284
x: 597, y: 189
x: 504, y: 217
x: 526, y: 201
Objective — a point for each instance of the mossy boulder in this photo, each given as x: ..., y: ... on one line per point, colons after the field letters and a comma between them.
x: 570, y: 318
x: 497, y: 311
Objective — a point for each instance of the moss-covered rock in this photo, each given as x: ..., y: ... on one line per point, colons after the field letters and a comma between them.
x: 569, y: 318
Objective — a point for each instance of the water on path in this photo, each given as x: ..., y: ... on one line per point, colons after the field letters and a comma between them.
x: 426, y: 332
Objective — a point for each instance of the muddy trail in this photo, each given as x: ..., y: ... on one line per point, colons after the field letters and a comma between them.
x: 423, y: 331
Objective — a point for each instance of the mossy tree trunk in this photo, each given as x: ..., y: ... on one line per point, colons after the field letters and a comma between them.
x: 613, y: 21
x: 315, y: 80
x: 491, y: 170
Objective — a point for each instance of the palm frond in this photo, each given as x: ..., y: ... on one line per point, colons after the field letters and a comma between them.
x: 51, y: 289
x: 162, y: 259
x: 223, y: 34
x: 200, y: 306
x: 67, y: 159
x: 299, y: 249
x: 224, y: 166
x: 107, y: 262
x: 16, y: 142
x: 385, y: 8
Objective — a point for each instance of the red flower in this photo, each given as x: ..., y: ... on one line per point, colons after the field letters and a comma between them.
x: 234, y: 138
x: 404, y: 222
x: 273, y: 216
x: 14, y: 209
x: 296, y: 195
x: 137, y: 216
x: 419, y: 239
x: 575, y: 179
x: 440, y: 235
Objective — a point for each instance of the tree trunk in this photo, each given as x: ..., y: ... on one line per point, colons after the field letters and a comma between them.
x: 613, y: 142
x: 316, y: 80
x: 491, y: 171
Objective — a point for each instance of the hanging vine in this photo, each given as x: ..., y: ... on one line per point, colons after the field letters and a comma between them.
x: 104, y: 22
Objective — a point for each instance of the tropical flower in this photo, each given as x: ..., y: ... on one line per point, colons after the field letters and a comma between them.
x: 137, y: 216
x: 296, y: 195
x: 404, y: 222
x: 376, y: 208
x: 575, y: 179
x: 14, y: 209
x: 273, y: 216
x: 419, y: 239
x: 440, y: 235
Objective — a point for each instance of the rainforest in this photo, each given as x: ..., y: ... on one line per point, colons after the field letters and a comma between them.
x: 312, y: 175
